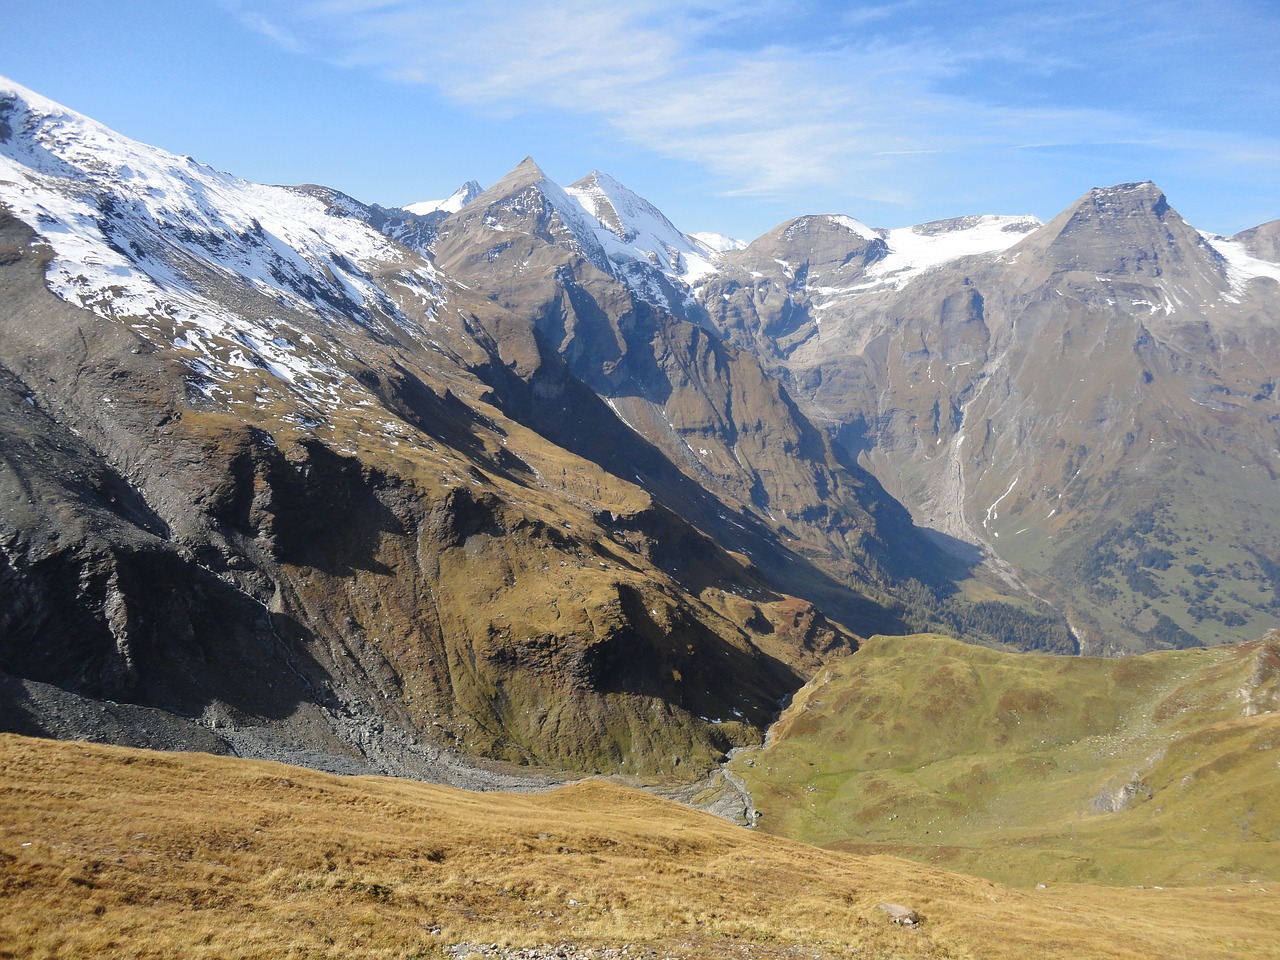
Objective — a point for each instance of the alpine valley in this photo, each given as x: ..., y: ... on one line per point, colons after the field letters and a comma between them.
x: 525, y: 484
x: 531, y: 473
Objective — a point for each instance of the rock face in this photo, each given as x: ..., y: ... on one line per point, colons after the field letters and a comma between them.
x: 1091, y: 400
x: 273, y: 474
x: 711, y: 410
x: 765, y: 296
x: 902, y: 916
x: 1262, y: 242
x: 533, y: 475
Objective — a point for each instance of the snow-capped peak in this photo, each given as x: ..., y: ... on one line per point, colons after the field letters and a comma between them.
x: 622, y: 211
x: 451, y: 204
x: 632, y: 228
x: 856, y: 227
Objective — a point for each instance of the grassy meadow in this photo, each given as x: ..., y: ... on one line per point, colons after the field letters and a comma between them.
x: 113, y: 852
x: 1158, y: 770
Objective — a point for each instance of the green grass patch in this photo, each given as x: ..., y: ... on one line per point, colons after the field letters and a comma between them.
x: 1028, y: 768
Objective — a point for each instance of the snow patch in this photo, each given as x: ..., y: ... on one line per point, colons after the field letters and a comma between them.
x: 856, y: 227
x: 1242, y: 266
x: 719, y: 243
x: 451, y: 204
x: 992, y: 512
x: 915, y: 250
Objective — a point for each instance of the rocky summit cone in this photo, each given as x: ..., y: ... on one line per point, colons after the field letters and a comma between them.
x: 1127, y: 233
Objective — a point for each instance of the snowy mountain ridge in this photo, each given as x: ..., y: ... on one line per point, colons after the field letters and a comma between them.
x: 450, y: 204
x: 917, y: 249
x: 631, y: 227
x: 140, y: 233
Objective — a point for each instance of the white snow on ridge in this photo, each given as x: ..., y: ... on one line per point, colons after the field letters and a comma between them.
x: 132, y: 226
x: 915, y: 250
x: 1242, y: 266
x: 719, y: 243
x: 855, y: 226
x: 629, y: 227
x: 451, y: 204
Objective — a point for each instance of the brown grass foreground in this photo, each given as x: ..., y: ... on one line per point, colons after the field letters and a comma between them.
x: 106, y: 851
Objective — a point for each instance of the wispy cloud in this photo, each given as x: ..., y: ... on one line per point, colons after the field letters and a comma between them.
x: 272, y: 30
x: 774, y: 96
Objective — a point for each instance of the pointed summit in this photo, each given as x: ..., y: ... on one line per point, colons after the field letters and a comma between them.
x: 521, y: 177
x: 525, y: 174
x: 525, y: 201
x: 622, y: 211
x: 1116, y: 210
x: 1125, y: 230
x: 636, y: 233
x: 615, y: 206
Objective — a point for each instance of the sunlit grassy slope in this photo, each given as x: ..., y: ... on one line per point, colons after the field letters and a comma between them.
x: 106, y: 851
x: 1160, y: 769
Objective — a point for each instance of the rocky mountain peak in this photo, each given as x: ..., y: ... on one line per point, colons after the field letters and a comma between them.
x: 623, y: 212
x: 649, y: 249
x: 816, y: 225
x: 526, y: 201
x: 826, y: 243
x: 1125, y: 230
x: 525, y: 174
x: 1118, y: 209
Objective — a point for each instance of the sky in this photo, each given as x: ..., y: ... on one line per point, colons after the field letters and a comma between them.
x: 730, y: 117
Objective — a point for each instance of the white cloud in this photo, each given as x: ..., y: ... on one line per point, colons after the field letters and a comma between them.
x: 271, y: 30
x: 746, y: 94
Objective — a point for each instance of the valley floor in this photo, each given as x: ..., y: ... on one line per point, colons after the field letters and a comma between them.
x: 106, y: 851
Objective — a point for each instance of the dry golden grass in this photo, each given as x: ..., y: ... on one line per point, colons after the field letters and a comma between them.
x: 106, y: 851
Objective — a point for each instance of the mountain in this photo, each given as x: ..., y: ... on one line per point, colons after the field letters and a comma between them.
x: 543, y: 479
x: 645, y: 250
x: 531, y: 484
x: 774, y: 295
x: 451, y: 204
x: 711, y: 410
x: 1091, y: 401
x: 268, y: 480
x: 715, y: 412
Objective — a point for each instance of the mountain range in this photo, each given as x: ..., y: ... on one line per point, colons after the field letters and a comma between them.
x: 531, y: 475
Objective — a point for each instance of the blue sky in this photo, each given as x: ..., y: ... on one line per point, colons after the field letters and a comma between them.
x: 730, y: 117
